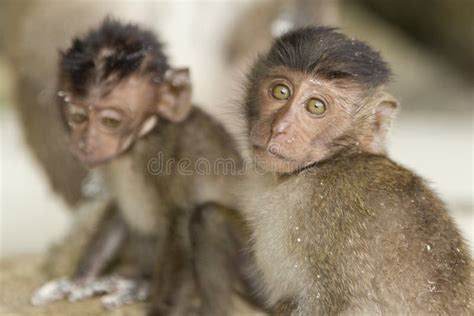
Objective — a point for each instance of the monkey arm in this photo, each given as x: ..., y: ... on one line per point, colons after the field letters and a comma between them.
x: 173, y: 283
x: 102, y: 248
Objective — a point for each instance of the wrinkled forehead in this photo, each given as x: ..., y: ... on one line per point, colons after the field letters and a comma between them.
x: 134, y: 87
x: 304, y: 80
x: 344, y: 91
x: 134, y: 92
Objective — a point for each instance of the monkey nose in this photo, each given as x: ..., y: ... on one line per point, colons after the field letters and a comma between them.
x: 280, y: 127
x: 82, y: 145
x: 85, y: 148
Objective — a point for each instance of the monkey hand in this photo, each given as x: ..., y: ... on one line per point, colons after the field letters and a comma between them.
x: 50, y: 292
x: 120, y: 291
x: 126, y: 291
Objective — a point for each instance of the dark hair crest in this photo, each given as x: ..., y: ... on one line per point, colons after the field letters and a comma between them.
x: 114, y: 49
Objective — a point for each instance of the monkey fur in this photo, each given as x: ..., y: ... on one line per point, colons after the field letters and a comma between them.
x: 336, y: 226
x: 158, y: 162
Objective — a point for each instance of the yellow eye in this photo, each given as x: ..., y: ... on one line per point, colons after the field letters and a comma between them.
x: 77, y: 118
x: 76, y: 114
x: 281, y: 92
x: 110, y: 122
x: 316, y: 106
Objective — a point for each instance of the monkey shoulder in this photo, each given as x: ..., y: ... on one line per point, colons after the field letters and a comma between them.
x: 367, y: 187
x: 196, y: 136
x: 374, y: 190
x: 374, y: 204
x: 201, y: 122
x: 367, y: 175
x: 206, y: 136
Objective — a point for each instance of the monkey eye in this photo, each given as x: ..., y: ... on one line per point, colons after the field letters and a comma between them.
x: 316, y: 106
x: 110, y: 122
x: 76, y: 115
x: 281, y: 92
x: 78, y: 118
x: 111, y: 119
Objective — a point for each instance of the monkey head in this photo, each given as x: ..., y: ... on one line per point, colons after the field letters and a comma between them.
x: 105, y: 123
x: 116, y: 85
x: 314, y: 94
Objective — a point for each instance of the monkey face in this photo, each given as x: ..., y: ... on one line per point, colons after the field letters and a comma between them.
x: 304, y: 119
x: 106, y: 122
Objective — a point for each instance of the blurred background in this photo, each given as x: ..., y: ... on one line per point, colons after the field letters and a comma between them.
x: 428, y: 43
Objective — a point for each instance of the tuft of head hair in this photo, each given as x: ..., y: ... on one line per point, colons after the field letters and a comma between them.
x: 320, y: 51
x: 111, y: 52
x: 328, y: 53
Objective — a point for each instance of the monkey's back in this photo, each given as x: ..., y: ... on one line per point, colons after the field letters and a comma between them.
x: 418, y: 255
x: 362, y: 235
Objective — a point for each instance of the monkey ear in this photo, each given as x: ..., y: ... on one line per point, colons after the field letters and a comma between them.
x: 384, y: 112
x: 175, y: 95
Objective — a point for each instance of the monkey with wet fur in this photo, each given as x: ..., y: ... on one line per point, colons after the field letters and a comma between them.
x: 336, y: 227
x: 129, y: 116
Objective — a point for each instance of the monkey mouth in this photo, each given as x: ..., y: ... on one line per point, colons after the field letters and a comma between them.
x: 92, y: 163
x: 89, y: 162
x: 271, y: 151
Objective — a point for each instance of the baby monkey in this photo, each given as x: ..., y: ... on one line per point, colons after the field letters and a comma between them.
x: 338, y: 228
x: 129, y: 116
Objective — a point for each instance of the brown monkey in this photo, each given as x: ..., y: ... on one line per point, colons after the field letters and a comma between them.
x: 337, y: 227
x: 129, y: 117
